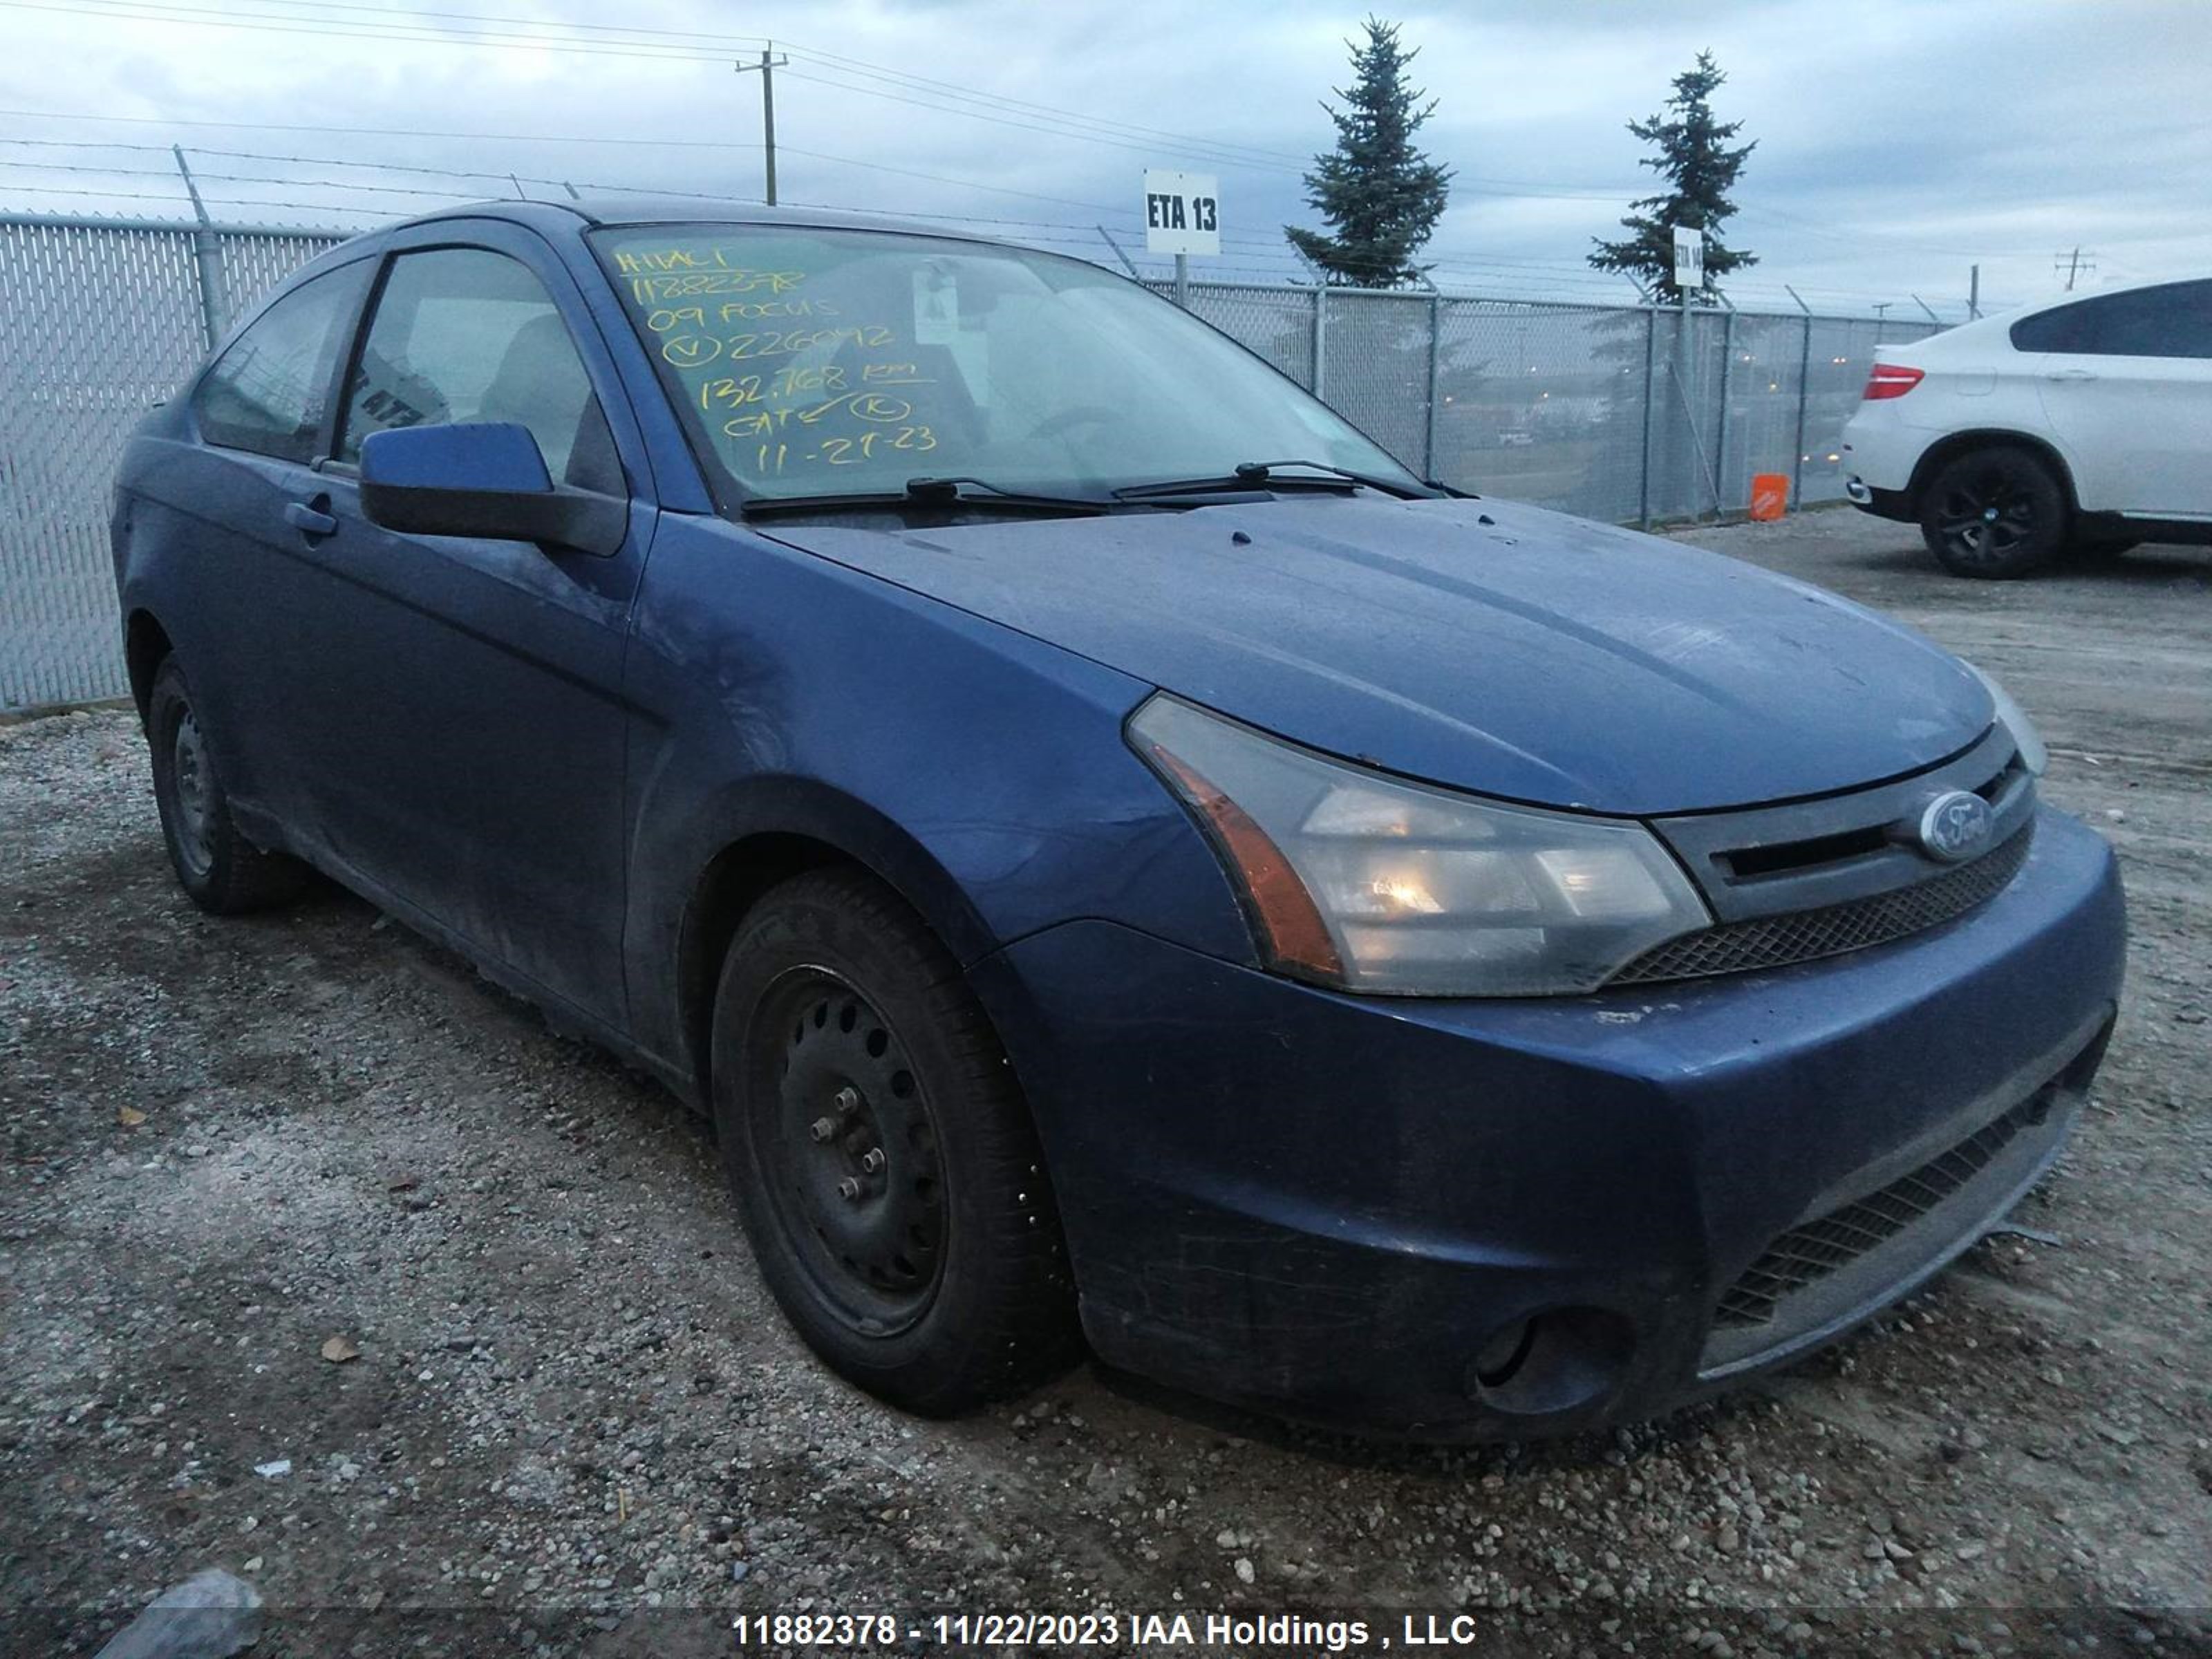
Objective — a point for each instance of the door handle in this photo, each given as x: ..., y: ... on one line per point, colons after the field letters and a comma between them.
x: 2069, y: 375
x: 309, y: 519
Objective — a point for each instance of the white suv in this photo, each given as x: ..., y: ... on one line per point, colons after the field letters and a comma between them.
x: 2087, y: 424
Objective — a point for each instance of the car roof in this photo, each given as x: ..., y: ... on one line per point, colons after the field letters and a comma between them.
x: 590, y: 212
x: 2099, y: 293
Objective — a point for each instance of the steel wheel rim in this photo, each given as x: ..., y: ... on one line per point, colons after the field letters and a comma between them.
x: 1985, y: 518
x: 847, y: 1149
x: 193, y: 780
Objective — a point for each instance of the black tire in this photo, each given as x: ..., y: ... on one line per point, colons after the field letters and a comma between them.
x: 1993, y: 513
x: 224, y: 873
x: 934, y: 1276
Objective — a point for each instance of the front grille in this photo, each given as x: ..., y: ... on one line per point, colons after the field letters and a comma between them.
x: 1818, y: 1247
x: 1739, y: 947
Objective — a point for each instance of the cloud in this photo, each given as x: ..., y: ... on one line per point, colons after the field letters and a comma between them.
x: 1899, y: 143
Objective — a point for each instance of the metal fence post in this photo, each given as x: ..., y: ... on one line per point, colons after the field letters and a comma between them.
x: 1321, y: 342
x: 1804, y: 396
x: 1651, y: 373
x: 1435, y: 373
x: 1720, y: 435
x: 207, y: 258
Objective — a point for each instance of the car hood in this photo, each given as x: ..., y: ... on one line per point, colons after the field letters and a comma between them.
x: 1477, y: 644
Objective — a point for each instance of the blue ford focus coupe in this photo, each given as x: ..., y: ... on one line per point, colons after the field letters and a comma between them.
x: 1120, y: 860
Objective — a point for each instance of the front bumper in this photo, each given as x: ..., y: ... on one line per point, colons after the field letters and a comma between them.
x: 1349, y: 1208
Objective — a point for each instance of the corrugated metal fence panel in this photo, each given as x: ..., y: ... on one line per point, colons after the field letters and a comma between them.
x: 97, y: 324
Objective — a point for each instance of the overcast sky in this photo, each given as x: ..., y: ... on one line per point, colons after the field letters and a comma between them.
x: 1900, y: 141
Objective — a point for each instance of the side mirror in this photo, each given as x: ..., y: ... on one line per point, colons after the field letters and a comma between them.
x: 485, y: 479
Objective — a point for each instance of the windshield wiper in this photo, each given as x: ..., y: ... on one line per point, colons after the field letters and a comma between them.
x: 926, y: 492
x: 1261, y: 475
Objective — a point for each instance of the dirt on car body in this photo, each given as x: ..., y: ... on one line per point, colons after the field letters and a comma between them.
x: 324, y: 1262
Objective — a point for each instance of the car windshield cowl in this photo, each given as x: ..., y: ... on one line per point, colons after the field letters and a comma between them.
x: 928, y: 495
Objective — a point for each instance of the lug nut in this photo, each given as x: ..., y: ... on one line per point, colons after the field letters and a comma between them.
x: 849, y: 1187
x: 848, y: 1099
x: 822, y: 1128
x: 872, y: 1159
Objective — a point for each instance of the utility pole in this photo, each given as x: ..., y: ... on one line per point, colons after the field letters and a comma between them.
x: 768, y: 66
x: 2074, y: 265
x: 1974, y: 292
x: 1881, y: 309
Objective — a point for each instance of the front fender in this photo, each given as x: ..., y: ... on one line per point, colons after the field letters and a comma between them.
x: 981, y: 772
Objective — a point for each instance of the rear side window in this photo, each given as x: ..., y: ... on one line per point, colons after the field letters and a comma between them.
x: 466, y: 335
x: 2172, y: 321
x: 267, y: 392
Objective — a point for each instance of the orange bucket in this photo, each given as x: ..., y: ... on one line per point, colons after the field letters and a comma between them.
x: 1769, y: 495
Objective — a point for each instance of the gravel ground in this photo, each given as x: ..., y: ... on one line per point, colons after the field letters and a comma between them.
x: 322, y: 1261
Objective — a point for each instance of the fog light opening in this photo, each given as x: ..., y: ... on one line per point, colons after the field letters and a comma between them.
x: 1563, y: 1360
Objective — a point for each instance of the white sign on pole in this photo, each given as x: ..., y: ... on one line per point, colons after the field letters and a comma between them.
x: 1689, y: 258
x: 1182, y: 212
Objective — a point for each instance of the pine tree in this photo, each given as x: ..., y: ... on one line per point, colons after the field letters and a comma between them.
x: 1695, y: 160
x: 1383, y: 195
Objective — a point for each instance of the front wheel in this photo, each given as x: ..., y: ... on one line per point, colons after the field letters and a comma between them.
x: 1993, y: 513
x: 881, y: 1155
x: 219, y: 869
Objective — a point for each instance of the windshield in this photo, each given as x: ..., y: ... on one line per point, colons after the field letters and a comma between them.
x: 818, y: 362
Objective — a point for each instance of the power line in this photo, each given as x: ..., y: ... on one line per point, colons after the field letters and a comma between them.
x: 540, y: 138
x: 830, y: 69
x: 515, y: 29
x: 174, y: 11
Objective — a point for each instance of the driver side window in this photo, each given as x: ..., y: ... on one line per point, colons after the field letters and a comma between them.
x: 467, y: 335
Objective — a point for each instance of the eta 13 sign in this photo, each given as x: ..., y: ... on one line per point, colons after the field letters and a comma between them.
x: 1689, y: 258
x: 1182, y: 212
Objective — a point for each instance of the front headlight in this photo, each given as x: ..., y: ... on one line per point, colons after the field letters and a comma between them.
x: 1368, y: 883
x: 2011, y: 716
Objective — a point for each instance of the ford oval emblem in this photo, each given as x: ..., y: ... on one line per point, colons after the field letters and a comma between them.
x: 1955, y: 826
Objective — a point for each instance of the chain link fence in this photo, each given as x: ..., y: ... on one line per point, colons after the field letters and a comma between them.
x: 1634, y: 414
x: 1629, y: 414
x: 99, y: 320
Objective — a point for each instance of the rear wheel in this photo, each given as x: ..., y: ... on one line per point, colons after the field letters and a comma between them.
x: 1995, y: 513
x: 881, y: 1154
x: 223, y: 873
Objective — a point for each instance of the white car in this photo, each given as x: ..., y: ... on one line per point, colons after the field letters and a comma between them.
x: 2084, y: 424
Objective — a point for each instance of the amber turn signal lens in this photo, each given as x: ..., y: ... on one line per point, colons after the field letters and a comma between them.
x: 1290, y: 925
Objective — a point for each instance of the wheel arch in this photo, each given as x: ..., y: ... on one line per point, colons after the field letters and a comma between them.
x: 800, y: 827
x: 1949, y: 448
x: 145, y: 645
